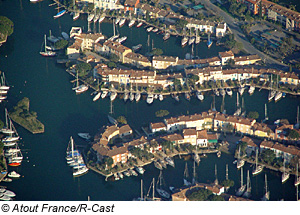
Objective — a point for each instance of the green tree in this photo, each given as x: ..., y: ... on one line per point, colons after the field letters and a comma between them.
x: 122, y: 120
x: 1, y: 124
x: 6, y: 26
x: 176, y: 82
x: 83, y: 68
x: 227, y: 183
x: 194, y: 78
x: 61, y: 44
x: 215, y: 198
x: 253, y: 115
x: 293, y: 134
x: 268, y: 156
x: 161, y: 113
x: 109, y: 161
x: 111, y: 64
x: 199, y: 195
x: 157, y: 52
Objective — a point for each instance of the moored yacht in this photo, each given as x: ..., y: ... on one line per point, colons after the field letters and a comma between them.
x: 150, y: 98
x: 113, y: 95
x: 149, y: 29
x: 85, y: 136
x: 122, y: 22
x: 184, y: 41
x: 166, y: 36
x: 251, y: 90
x: 137, y: 96
x: 278, y: 96
x: 139, y: 24
x: 104, y: 94
x: 229, y: 91
x: 199, y: 95
x: 14, y: 174
x: 97, y: 96
x: 131, y: 23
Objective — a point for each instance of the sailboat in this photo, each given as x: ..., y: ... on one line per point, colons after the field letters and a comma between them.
x: 258, y: 168
x: 266, y: 197
x: 297, y: 179
x: 271, y: 92
x: 285, y: 176
x: 97, y: 96
x: 159, y: 188
x: 200, y: 95
x: 15, y: 159
x: 13, y: 137
x: 240, y: 162
x: 241, y: 89
x: 153, y: 198
x: 186, y: 175
x: 194, y: 180
x: 197, y: 41
x: 247, y: 194
x: 47, y: 53
x: 80, y: 88
x: 238, y: 108
x: 3, y: 85
x: 241, y: 190
x: 278, y: 94
x: 209, y: 41
x: 196, y: 156
x: 7, y: 129
x: 59, y: 14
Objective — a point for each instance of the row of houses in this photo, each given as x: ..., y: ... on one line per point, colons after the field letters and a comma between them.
x: 133, y: 77
x: 165, y: 16
x: 288, y: 18
x: 216, y: 121
x: 281, y: 151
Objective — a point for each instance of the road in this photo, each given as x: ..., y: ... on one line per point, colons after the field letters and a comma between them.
x: 240, y: 37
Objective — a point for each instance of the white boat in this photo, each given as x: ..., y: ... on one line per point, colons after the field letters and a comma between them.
x: 140, y: 170
x: 13, y: 174
x: 229, y: 91
x: 126, y: 96
x: 278, y: 96
x: 155, y: 30
x: 160, y: 97
x: 170, y: 161
x: 187, y: 96
x: 122, y: 22
x: 116, y: 177
x: 150, y: 98
x: 96, y: 18
x: 184, y: 41
x: 101, y: 18
x: 7, y: 180
x: 186, y: 175
x: 137, y: 96
x: 297, y: 178
x: 76, y: 15
x: 80, y: 171
x: 132, y: 172
x: 197, y: 41
x: 113, y: 95
x: 131, y: 96
x: 85, y: 136
x: 126, y: 173
x: 7, y: 192
x: 97, y: 96
x: 4, y: 197
x: 159, y: 188
x: 191, y: 40
x: 199, y: 95
x: 241, y: 90
x: 149, y: 29
x: 285, y: 176
x: 197, y: 158
x: 10, y: 139
x: 131, y: 23
x: 90, y: 17
x: 139, y: 24
x: 81, y: 88
x: 251, y: 89
x: 216, y: 92
x: 163, y: 163
x: 104, y: 94
x: 121, y: 39
x: 47, y: 53
x: 120, y: 175
x: 8, y: 129
x: 241, y: 190
x: 158, y: 165
x: 222, y: 92
x: 258, y: 168
x: 3, y: 85
x: 166, y: 36
x: 117, y: 20
x: 137, y: 47
x: 272, y: 92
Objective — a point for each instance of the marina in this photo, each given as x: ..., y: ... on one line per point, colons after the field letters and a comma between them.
x: 72, y: 114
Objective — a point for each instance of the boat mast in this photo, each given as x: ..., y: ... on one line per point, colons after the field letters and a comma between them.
x: 45, y: 42
x: 248, y: 183
x: 266, y: 114
x: 237, y: 100
x: 153, y: 191
x: 242, y: 181
x: 142, y: 190
x: 226, y: 171
x: 72, y: 146
x: 297, y: 115
x: 256, y: 158
x: 216, y: 175
x: 194, y: 174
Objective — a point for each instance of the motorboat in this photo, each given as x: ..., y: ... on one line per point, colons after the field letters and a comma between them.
x: 85, y: 136
x: 101, y: 18
x: 97, y: 96
x: 150, y: 98
x: 122, y: 22
x: 132, y: 172
x: 229, y: 91
x: 76, y: 15
x: 14, y: 174
x: 166, y: 36
x: 80, y: 171
x: 160, y: 97
x: 121, y: 39
x: 96, y: 18
x: 137, y: 47
x: 131, y: 96
x: 113, y: 95
x: 184, y: 41
x: 7, y: 192
x: 149, y: 29
x: 158, y: 165
x: 4, y: 197
x: 139, y: 24
x: 140, y: 170
x: 131, y: 23
x: 65, y: 35
x: 112, y: 120
x: 241, y: 90
x: 222, y: 92
x: 59, y: 14
x: 170, y: 161
x: 116, y: 177
x: 155, y: 30
x: 104, y: 94
x: 278, y: 96
x: 126, y: 96
x: 251, y: 90
x: 90, y: 17
x: 199, y: 95
x: 117, y: 20
x: 81, y: 88
x: 191, y: 40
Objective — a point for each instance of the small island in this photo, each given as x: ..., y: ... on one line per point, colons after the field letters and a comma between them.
x: 25, y: 118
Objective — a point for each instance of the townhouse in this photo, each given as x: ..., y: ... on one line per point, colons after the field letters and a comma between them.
x: 110, y: 47
x: 138, y: 60
x: 104, y: 4
x: 164, y: 62
x: 251, y: 146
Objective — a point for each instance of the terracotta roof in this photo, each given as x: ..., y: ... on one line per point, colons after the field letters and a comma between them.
x: 157, y: 125
x: 173, y: 137
x: 189, y: 132
x: 125, y: 129
x: 226, y: 54
x: 130, y: 2
x: 266, y: 144
x: 212, y: 136
x: 117, y: 150
x: 116, y: 46
x: 249, y: 141
x: 165, y: 58
x: 202, y: 134
x: 138, y: 142
x: 137, y: 57
x: 247, y: 58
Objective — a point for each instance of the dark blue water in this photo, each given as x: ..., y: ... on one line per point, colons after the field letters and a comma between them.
x: 45, y: 174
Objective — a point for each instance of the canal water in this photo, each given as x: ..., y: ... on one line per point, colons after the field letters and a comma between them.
x: 45, y: 174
